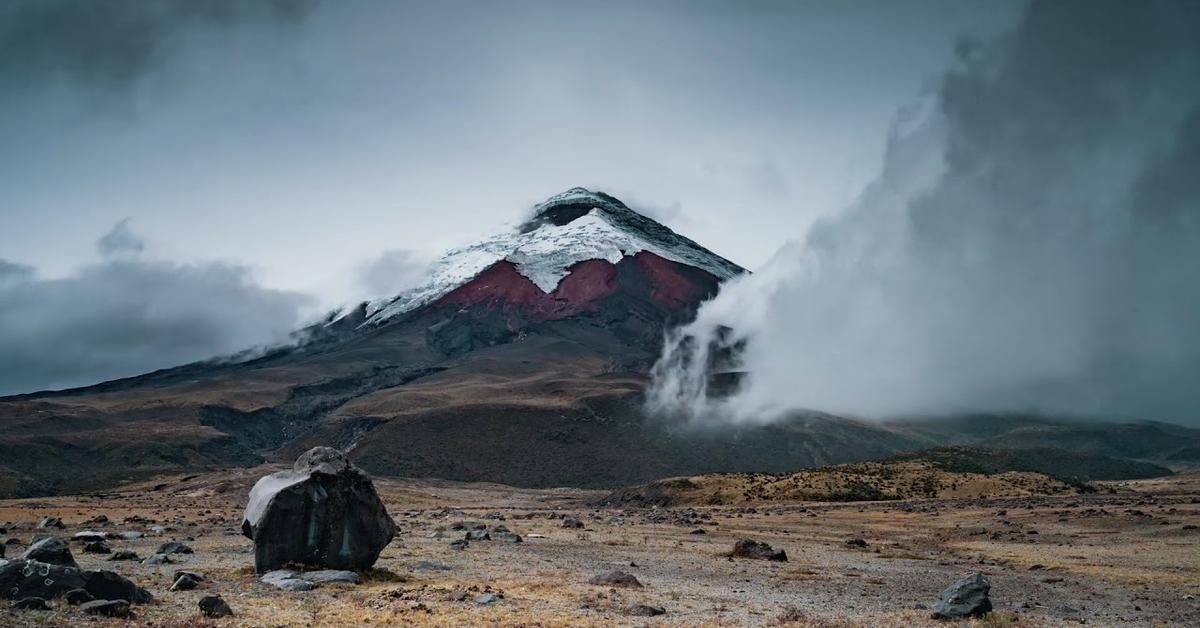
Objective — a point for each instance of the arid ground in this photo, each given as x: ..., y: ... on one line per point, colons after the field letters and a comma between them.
x: 1128, y: 554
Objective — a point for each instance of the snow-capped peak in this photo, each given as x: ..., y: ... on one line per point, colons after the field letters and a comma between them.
x: 567, y: 228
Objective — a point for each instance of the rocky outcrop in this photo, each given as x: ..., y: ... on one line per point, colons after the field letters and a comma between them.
x: 966, y: 598
x: 52, y: 550
x: 323, y: 513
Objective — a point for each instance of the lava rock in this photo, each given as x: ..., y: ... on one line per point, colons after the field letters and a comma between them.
x: 507, y: 537
x: 107, y: 585
x: 214, y: 606
x: 173, y: 547
x: 27, y: 578
x: 185, y: 582
x: 51, y: 522
x: 106, y: 608
x: 747, y: 548
x: 52, y: 550
x: 966, y: 598
x: 191, y: 574
x: 616, y: 579
x: 856, y: 543
x: 123, y: 555
x: 644, y: 610
x: 478, y: 535
x: 571, y: 522
x: 97, y: 547
x: 287, y: 580
x: 157, y: 559
x: 31, y: 604
x: 75, y: 597
x: 324, y: 512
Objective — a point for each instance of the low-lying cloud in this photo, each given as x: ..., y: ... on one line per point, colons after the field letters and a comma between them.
x: 1033, y: 243
x: 127, y: 315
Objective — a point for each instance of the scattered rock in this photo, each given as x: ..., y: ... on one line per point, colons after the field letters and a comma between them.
x: 98, y: 520
x: 173, y: 547
x: 31, y: 604
x: 106, y: 608
x: 51, y: 522
x: 966, y: 598
x: 75, y: 597
x: 124, y: 555
x: 643, y: 610
x: 131, y: 535
x: 287, y: 580
x: 214, y: 606
x: 185, y: 582
x: 52, y: 550
x: 458, y: 596
x: 460, y: 544
x: 324, y: 512
x: 571, y: 522
x: 107, y: 585
x: 89, y: 536
x: 191, y: 574
x: 696, y: 531
x: 97, y: 547
x: 478, y: 535
x: 856, y: 543
x: 325, y: 576
x: 157, y: 559
x: 616, y: 579
x: 27, y: 578
x: 486, y: 598
x: 747, y: 548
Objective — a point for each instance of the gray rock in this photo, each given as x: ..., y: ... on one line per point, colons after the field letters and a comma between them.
x: 486, y: 598
x: 27, y: 578
x: 966, y: 598
x: 97, y: 547
x: 460, y: 544
x: 31, y: 604
x: 615, y: 579
x: 426, y: 565
x: 324, y: 513
x: 157, y: 559
x: 507, y: 537
x: 89, y: 536
x: 571, y: 522
x: 214, y: 606
x: 75, y: 597
x: 185, y: 582
x: 106, y: 608
x: 51, y: 550
x: 107, y: 585
x: 191, y: 574
x: 123, y: 555
x: 643, y: 610
x: 324, y: 576
x: 478, y: 535
x: 287, y: 580
x: 51, y: 522
x: 173, y: 547
x: 131, y: 535
x: 747, y: 548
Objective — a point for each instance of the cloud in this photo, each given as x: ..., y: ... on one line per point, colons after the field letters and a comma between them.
x: 128, y: 315
x: 1032, y: 243
x: 111, y: 45
x: 390, y: 273
x: 120, y: 239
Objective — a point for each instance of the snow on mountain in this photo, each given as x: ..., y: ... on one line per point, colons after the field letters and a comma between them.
x: 567, y: 228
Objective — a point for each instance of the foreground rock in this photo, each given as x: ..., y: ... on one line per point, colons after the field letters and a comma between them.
x: 290, y: 580
x: 214, y: 606
x: 52, y: 550
x: 324, y: 513
x: 747, y: 548
x: 106, y: 608
x: 27, y: 578
x: 966, y: 598
x: 615, y: 579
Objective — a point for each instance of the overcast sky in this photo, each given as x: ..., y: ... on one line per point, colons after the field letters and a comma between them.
x: 182, y: 179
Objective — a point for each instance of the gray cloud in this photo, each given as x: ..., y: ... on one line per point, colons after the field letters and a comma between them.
x: 120, y: 239
x: 129, y: 315
x: 1033, y: 243
x: 389, y: 273
x: 110, y: 44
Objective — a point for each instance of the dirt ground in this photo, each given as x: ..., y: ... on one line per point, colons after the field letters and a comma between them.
x: 1127, y: 555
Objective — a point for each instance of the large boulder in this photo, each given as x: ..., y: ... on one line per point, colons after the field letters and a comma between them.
x: 323, y: 513
x: 966, y: 598
x: 28, y: 578
x: 51, y: 550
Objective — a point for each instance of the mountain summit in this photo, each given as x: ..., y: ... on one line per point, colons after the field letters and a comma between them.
x: 577, y: 231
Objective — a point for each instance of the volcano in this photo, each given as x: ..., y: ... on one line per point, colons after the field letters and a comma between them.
x: 521, y: 359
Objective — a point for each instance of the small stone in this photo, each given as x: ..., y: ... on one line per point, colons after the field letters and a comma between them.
x: 51, y: 522
x: 106, y: 608
x: 460, y: 544
x: 75, y: 597
x: 214, y: 606
x: 571, y: 522
x: 97, y: 547
x: 486, y: 598
x: 644, y: 610
x: 458, y: 596
x: 173, y: 547
x: 616, y: 579
x: 325, y: 576
x: 747, y: 548
x: 856, y: 543
x: 157, y: 559
x: 968, y: 597
x: 31, y: 604
x: 185, y: 582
